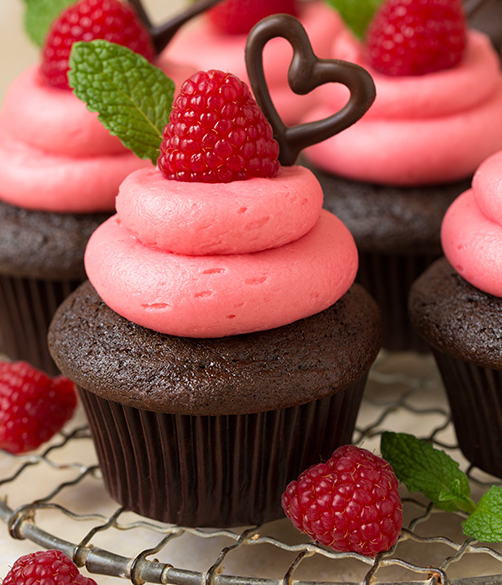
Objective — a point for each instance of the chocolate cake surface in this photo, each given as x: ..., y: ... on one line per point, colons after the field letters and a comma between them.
x: 457, y: 318
x: 46, y: 245
x: 386, y: 219
x: 287, y: 366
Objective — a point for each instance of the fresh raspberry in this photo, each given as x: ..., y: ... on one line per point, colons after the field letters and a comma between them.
x: 237, y: 17
x: 350, y: 503
x: 47, y: 567
x: 87, y: 20
x: 217, y: 133
x: 414, y: 37
x: 33, y: 407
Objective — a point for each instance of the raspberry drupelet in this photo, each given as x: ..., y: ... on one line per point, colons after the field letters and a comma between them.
x: 88, y: 20
x: 350, y: 503
x: 217, y: 133
x: 237, y: 17
x: 33, y: 406
x: 415, y: 37
x: 50, y: 567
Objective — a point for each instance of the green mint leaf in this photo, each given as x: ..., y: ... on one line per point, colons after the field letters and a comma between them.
x: 356, y: 14
x: 133, y: 98
x: 39, y: 15
x: 422, y: 468
x: 485, y: 523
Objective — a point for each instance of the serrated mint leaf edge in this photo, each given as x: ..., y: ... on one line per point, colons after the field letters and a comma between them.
x: 443, y: 495
x: 82, y: 67
x: 475, y: 525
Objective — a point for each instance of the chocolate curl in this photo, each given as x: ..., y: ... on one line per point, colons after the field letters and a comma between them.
x: 306, y: 72
x: 162, y: 34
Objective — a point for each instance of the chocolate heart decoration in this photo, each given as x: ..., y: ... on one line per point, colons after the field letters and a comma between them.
x: 163, y: 33
x: 306, y: 72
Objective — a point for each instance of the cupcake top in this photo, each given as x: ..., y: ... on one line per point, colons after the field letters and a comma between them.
x: 55, y: 156
x: 223, y: 30
x: 435, y: 118
x: 471, y: 233
x: 220, y: 239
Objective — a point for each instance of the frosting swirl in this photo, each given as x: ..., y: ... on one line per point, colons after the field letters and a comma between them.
x: 226, y: 52
x: 232, y: 279
x: 54, y: 153
x: 471, y: 232
x: 427, y: 129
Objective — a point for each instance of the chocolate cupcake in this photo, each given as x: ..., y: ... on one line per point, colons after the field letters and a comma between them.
x: 456, y: 306
x: 220, y: 346
x: 392, y: 176
x: 41, y: 262
x: 60, y: 170
x: 208, y: 432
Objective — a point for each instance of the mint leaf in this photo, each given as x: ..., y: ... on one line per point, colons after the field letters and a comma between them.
x: 39, y: 15
x: 422, y: 468
x: 356, y: 15
x: 133, y: 98
x: 485, y: 523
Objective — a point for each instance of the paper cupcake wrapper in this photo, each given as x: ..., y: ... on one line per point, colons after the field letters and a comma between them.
x: 388, y: 278
x: 217, y: 471
x: 27, y: 306
x: 475, y: 398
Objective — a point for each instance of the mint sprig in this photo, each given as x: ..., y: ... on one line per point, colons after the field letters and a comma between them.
x: 485, y: 523
x: 133, y: 98
x: 356, y: 15
x: 39, y: 15
x: 423, y: 468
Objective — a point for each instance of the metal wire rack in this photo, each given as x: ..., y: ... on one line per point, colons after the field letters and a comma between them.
x: 70, y: 510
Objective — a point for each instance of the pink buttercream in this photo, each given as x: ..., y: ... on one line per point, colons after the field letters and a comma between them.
x: 228, y: 218
x: 54, y: 120
x: 215, y: 295
x: 38, y: 179
x: 471, y: 232
x: 420, y: 130
x: 205, y: 48
x: 55, y: 155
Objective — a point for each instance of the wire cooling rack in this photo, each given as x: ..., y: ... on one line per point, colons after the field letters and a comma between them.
x: 56, y: 499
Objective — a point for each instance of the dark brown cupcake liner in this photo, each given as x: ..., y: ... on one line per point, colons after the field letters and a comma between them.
x: 27, y: 306
x: 217, y: 471
x: 388, y: 278
x: 475, y: 398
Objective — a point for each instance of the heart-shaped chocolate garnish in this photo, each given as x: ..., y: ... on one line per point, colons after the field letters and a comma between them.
x: 306, y: 72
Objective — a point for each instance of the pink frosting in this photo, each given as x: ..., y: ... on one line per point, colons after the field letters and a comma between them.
x: 297, y: 273
x: 219, y: 219
x: 54, y: 153
x: 420, y: 130
x: 471, y: 232
x: 205, y: 48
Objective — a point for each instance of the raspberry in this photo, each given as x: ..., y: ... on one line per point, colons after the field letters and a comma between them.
x: 414, y: 37
x: 237, y: 17
x: 33, y: 407
x: 50, y: 567
x: 87, y: 20
x: 217, y: 133
x: 350, y: 503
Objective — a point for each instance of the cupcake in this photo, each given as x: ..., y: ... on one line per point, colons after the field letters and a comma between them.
x: 218, y: 38
x: 220, y: 345
x: 456, y: 306
x: 59, y: 174
x: 392, y: 176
